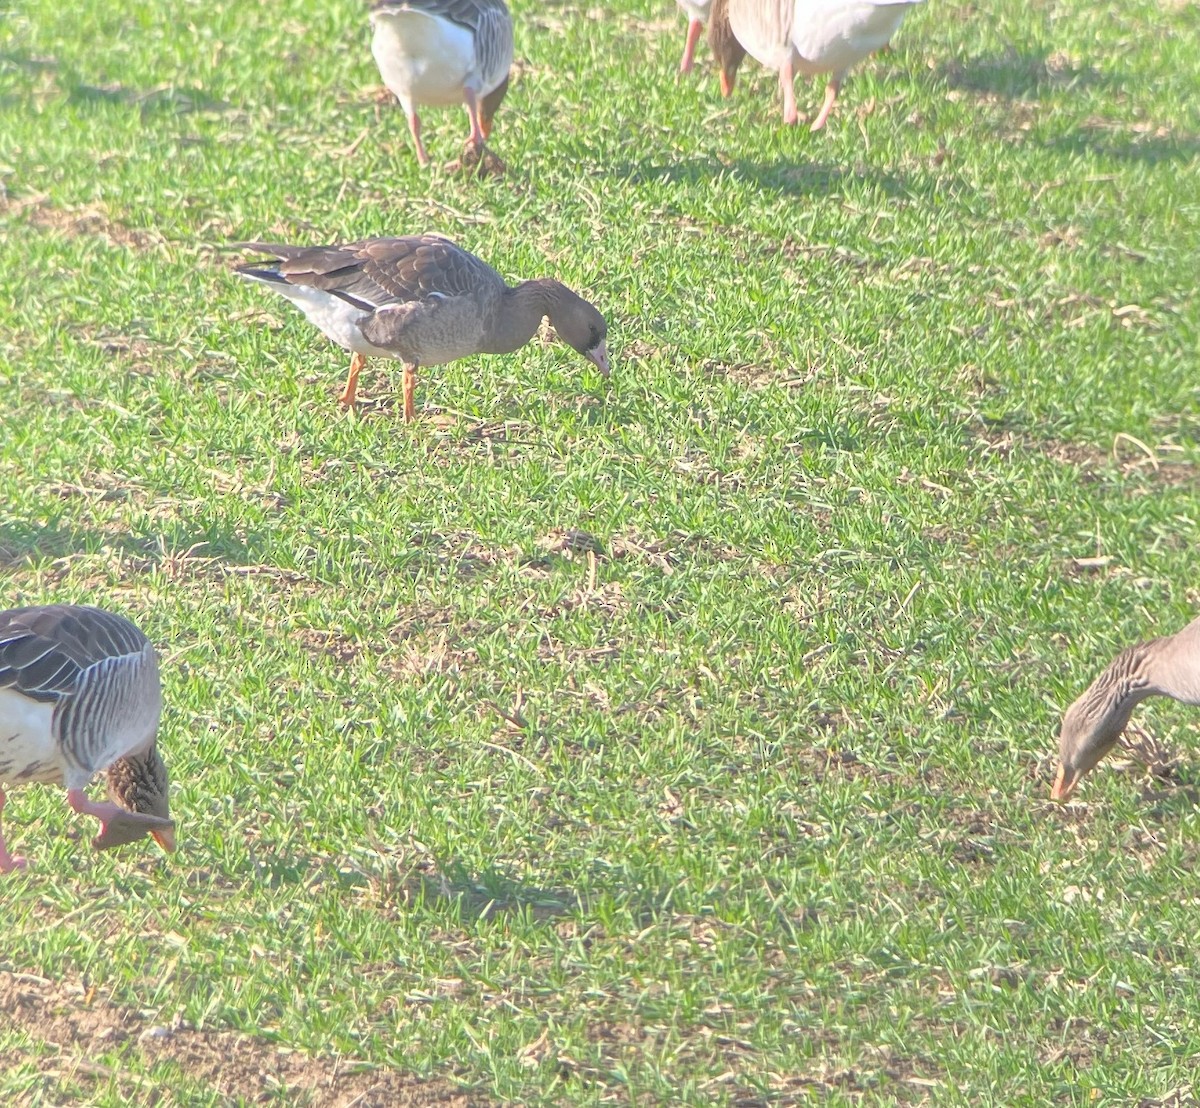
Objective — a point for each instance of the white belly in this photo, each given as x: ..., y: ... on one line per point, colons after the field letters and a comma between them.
x: 832, y: 35
x: 335, y: 318
x: 424, y: 60
x: 28, y: 752
x: 696, y: 9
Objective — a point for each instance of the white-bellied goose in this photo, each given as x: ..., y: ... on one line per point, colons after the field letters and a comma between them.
x: 1093, y: 724
x: 79, y: 693
x: 443, y: 52
x: 806, y: 37
x: 697, y: 13
x: 421, y: 300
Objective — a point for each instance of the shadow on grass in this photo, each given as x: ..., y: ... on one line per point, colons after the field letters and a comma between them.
x: 1020, y: 74
x: 785, y: 178
x: 26, y: 544
x: 23, y: 59
x: 1124, y: 142
x: 161, y: 99
x: 466, y: 896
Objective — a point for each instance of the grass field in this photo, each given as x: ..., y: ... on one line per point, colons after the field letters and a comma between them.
x: 901, y: 445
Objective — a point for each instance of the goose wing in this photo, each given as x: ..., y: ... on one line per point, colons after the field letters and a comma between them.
x: 44, y: 652
x: 379, y: 272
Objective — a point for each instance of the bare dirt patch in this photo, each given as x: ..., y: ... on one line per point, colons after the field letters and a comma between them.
x: 76, y: 222
x: 1161, y: 465
x: 75, y: 1027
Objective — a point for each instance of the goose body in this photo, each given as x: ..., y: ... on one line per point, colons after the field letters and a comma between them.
x: 808, y: 37
x: 444, y: 52
x: 1092, y: 725
x: 423, y: 301
x: 80, y: 694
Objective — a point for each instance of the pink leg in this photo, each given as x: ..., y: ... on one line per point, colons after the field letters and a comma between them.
x: 8, y: 862
x: 414, y: 125
x: 787, y: 84
x: 476, y: 136
x: 831, y: 94
x: 695, y: 27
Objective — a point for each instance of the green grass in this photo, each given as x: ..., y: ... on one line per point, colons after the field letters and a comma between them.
x: 772, y: 825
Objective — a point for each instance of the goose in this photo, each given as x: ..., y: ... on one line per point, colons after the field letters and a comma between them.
x: 807, y: 37
x: 79, y: 693
x: 697, y: 13
x: 443, y: 52
x: 1092, y: 725
x: 422, y: 300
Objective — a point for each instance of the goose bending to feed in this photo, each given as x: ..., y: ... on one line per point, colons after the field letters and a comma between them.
x: 443, y: 52
x: 79, y: 693
x: 697, y: 13
x: 803, y: 36
x: 421, y: 300
x: 1093, y: 724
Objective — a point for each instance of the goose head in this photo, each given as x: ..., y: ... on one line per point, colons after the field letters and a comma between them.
x: 1087, y: 734
x: 581, y: 327
x: 138, y: 783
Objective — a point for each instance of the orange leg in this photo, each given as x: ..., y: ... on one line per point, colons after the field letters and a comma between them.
x: 831, y: 93
x: 409, y: 383
x: 414, y: 126
x: 478, y: 131
x: 357, y: 361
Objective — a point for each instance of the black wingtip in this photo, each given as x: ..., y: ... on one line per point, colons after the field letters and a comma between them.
x: 256, y: 272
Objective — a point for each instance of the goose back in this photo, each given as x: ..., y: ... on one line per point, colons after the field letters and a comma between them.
x: 419, y: 298
x: 79, y: 689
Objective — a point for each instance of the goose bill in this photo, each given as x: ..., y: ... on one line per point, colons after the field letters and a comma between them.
x: 128, y: 827
x: 1063, y: 785
x: 598, y: 356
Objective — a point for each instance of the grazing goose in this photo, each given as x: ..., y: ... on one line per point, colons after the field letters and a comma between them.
x: 697, y: 13
x: 806, y: 37
x: 1093, y: 724
x: 422, y: 300
x: 79, y: 693
x: 443, y: 52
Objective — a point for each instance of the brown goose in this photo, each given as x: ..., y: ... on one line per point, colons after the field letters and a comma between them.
x: 804, y: 37
x: 79, y: 693
x: 421, y: 300
x: 443, y: 52
x: 1093, y: 724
